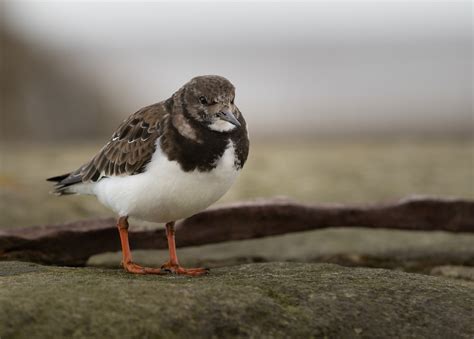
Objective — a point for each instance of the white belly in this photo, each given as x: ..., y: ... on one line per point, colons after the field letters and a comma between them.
x: 164, y: 192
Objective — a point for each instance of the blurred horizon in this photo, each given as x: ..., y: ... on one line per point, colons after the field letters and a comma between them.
x: 302, y: 70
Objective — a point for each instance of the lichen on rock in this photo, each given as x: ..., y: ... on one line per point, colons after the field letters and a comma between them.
x: 254, y: 300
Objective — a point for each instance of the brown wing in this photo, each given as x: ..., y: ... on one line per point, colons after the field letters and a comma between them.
x: 128, y: 152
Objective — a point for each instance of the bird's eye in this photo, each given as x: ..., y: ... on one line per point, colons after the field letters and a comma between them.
x: 203, y: 100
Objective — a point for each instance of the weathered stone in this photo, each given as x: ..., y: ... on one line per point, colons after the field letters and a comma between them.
x: 458, y: 272
x: 411, y: 251
x: 256, y: 300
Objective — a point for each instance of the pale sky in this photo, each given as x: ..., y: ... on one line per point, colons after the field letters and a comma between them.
x: 321, y: 66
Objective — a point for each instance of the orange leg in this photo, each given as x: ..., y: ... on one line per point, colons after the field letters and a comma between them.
x: 173, y: 265
x: 127, y: 262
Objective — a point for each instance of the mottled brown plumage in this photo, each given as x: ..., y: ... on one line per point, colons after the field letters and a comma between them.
x: 131, y: 146
x: 128, y: 151
x: 181, y: 122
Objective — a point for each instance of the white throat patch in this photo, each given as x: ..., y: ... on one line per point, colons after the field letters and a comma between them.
x: 222, y: 126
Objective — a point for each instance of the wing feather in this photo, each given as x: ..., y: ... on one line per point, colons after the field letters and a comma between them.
x: 127, y: 153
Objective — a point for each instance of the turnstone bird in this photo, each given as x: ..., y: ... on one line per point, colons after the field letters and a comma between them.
x: 166, y: 162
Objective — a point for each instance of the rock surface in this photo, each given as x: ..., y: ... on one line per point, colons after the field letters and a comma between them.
x: 411, y: 251
x: 254, y: 300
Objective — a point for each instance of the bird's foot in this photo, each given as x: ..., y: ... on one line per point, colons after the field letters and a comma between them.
x: 177, y: 269
x: 131, y: 267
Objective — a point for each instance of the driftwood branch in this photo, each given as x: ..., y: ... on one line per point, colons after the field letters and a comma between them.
x: 74, y: 243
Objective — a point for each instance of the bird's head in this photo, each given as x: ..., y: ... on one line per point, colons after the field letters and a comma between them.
x: 209, y: 100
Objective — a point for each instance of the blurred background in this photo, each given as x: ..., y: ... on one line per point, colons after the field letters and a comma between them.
x: 348, y: 102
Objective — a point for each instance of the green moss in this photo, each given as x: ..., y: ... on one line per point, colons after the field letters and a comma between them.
x: 276, y: 300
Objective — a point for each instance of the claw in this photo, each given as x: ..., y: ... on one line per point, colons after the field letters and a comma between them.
x: 131, y: 267
x: 176, y: 269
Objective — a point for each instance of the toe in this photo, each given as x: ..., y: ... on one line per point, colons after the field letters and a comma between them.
x: 137, y: 269
x: 192, y: 271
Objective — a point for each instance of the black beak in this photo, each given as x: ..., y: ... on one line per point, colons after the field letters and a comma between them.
x: 228, y: 116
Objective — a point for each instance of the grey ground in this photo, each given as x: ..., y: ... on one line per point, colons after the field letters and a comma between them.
x: 282, y: 291
x: 278, y: 297
x: 253, y: 300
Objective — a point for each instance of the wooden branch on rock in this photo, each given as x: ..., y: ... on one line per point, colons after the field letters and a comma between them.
x: 74, y: 243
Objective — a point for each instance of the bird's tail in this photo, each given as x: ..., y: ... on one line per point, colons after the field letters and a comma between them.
x: 63, y: 183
